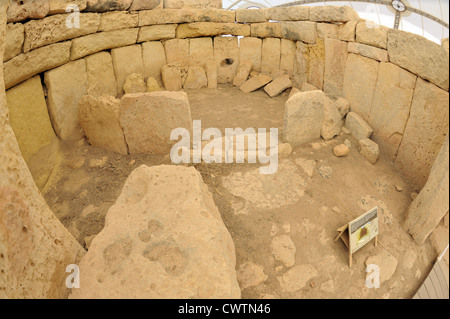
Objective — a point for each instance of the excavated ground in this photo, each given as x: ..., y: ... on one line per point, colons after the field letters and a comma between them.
x: 256, y: 208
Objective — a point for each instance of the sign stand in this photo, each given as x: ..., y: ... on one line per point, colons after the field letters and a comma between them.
x: 359, y: 232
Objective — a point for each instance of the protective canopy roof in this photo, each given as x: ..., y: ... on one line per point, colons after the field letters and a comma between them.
x: 429, y: 18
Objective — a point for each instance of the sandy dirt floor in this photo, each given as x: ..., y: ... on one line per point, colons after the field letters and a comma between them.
x: 288, y: 211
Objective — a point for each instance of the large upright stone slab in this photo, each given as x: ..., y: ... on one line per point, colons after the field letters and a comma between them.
x: 126, y: 60
x: 149, y: 118
x: 154, y: 58
x: 226, y: 54
x: 391, y: 106
x: 271, y: 55
x: 153, y: 252
x: 99, y: 118
x: 100, y: 73
x: 251, y: 49
x: 336, y: 54
x: 432, y: 204
x: 177, y: 51
x: 421, y: 56
x: 66, y: 85
x: 425, y: 132
x: 360, y: 79
x: 287, y: 62
x: 316, y: 64
x: 304, y: 117
x: 201, y: 51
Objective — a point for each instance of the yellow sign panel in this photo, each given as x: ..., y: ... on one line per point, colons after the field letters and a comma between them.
x: 363, y: 230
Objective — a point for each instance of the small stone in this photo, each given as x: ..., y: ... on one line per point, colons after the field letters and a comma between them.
x: 359, y: 128
x: 95, y: 163
x: 316, y: 146
x: 284, y: 150
x: 399, y: 188
x: 308, y: 166
x: 341, y: 150
x: 132, y: 162
x: 370, y: 150
x: 135, y: 83
x: 153, y: 85
x: 313, y: 284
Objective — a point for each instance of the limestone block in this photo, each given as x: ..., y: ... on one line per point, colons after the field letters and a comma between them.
x: 432, y: 204
x: 215, y: 15
x: 332, y: 14
x: 145, y: 5
x: 108, y: 5
x: 271, y: 55
x: 153, y: 85
x: 24, y: 10
x: 360, y: 80
x: 29, y: 117
x: 135, y: 83
x: 148, y: 120
x: 211, y: 29
x: 177, y: 51
x: 328, y: 30
x: 60, y: 6
x: 171, y: 77
x: 126, y: 60
x: 141, y: 250
x: 370, y: 150
x: 343, y: 106
x: 154, y: 57
x: 54, y: 29
x: 420, y: 56
x: 336, y: 54
x: 112, y: 21
x: 296, y: 13
x: 94, y: 43
x: 201, y: 51
x: 14, y: 40
x: 316, y: 64
x: 251, y: 49
x: 279, y: 85
x: 287, y: 62
x: 157, y: 32
x: 425, y: 132
x: 66, y: 86
x: 332, y: 121
x: 243, y: 72
x: 359, y: 128
x: 99, y: 118
x: 196, y: 78
x: 306, y: 87
x: 100, y: 73
x: 305, y: 31
x: 301, y: 64
x: 166, y: 16
x: 255, y: 83
x: 303, y: 117
x: 368, y: 51
x: 27, y: 65
x: 347, y: 31
x: 211, y: 74
x: 266, y: 30
x: 226, y: 53
x: 368, y: 32
x: 391, y: 107
x: 250, y: 16
x: 192, y: 4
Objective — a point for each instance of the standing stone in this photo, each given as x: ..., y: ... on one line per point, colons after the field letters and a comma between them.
x: 154, y: 58
x: 201, y: 51
x: 279, y: 85
x: 303, y: 117
x: 359, y: 128
x: 301, y: 64
x: 135, y: 83
x: 419, y: 55
x: 171, y: 77
x: 211, y: 74
x: 177, y: 51
x: 126, y: 60
x: 255, y: 83
x: 226, y: 53
x: 100, y: 73
x: 66, y: 86
x: 243, y: 72
x: 370, y: 150
x: 360, y: 80
x: 317, y: 64
x: 99, y: 118
x: 432, y: 204
x: 343, y: 106
x: 425, y: 132
x: 149, y: 118
x: 251, y: 49
x: 196, y: 78
x: 138, y: 255
x: 287, y: 61
x: 271, y: 55
x: 332, y: 120
x: 391, y: 106
x: 336, y: 54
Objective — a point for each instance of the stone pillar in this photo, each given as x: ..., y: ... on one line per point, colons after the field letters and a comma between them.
x: 35, y: 248
x: 432, y: 204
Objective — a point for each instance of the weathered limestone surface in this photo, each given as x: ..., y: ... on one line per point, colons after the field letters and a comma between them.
x: 192, y: 4
x: 211, y: 29
x: 243, y: 72
x: 425, y: 132
x: 14, y: 40
x: 287, y: 62
x: 157, y: 32
x: 154, y: 58
x: 60, y: 6
x: 28, y: 116
x: 271, y: 55
x: 177, y: 51
x: 266, y: 30
x: 135, y: 83
x: 99, y: 118
x: 370, y: 150
x: 250, y: 16
x: 201, y: 51
x: 226, y: 53
x: 126, y: 60
x: 303, y: 117
x: 296, y: 13
x: 305, y: 31
x: 54, y: 29
x: 360, y: 80
x: 94, y: 43
x: 368, y: 51
x: 332, y: 14
x: 149, y: 118
x: 118, y: 20
x: 140, y: 250
x: 100, y: 73
x: 347, y: 31
x: 332, y: 122
x: 391, y: 105
x: 419, y: 55
x: 279, y: 85
x: 196, y: 78
x: 328, y: 30
x: 368, y: 32
x: 23, y: 10
x: 255, y: 83
x: 27, y: 65
x: 251, y: 49
x: 359, y: 128
x: 316, y: 64
x: 432, y: 204
x: 35, y: 246
x: 336, y: 54
x: 108, y: 5
x: 145, y: 4
x: 171, y: 77
x: 66, y: 86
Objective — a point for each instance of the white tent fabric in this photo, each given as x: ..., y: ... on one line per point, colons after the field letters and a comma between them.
x: 380, y: 12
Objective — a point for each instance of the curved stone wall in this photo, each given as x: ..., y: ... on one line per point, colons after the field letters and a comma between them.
x: 398, y: 82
